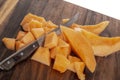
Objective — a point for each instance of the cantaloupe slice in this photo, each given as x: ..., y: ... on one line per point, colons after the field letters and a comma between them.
x: 79, y: 67
x: 65, y: 51
x: 96, y: 29
x: 9, y: 43
x: 37, y: 32
x: 47, y: 29
x: 42, y: 55
x: 19, y: 45
x: 102, y: 46
x: 81, y: 47
x: 20, y: 35
x: 65, y: 20
x: 51, y: 40
x: 28, y: 38
x: 32, y: 24
x: 30, y: 17
x: 62, y: 48
x: 50, y: 24
x: 73, y: 59
x: 61, y: 63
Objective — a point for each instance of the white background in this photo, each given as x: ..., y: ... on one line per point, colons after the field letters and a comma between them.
x: 108, y: 7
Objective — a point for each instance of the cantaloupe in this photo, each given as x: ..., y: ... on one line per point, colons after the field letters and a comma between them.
x: 61, y: 63
x: 9, y: 43
x: 30, y: 17
x: 62, y: 48
x: 51, y: 40
x: 73, y: 59
x: 32, y: 24
x: 20, y: 35
x: 19, y: 45
x: 102, y: 46
x: 28, y: 38
x: 96, y: 29
x: 37, y: 32
x: 79, y: 67
x: 42, y: 55
x: 81, y: 47
x: 50, y: 24
x: 65, y: 20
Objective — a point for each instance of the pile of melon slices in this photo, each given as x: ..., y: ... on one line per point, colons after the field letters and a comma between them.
x: 83, y: 40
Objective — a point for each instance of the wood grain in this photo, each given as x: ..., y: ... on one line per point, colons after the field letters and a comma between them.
x: 108, y: 68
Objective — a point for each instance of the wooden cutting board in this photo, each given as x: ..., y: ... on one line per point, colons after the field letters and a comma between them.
x: 11, y: 14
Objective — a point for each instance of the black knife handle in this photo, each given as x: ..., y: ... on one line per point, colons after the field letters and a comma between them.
x: 19, y: 56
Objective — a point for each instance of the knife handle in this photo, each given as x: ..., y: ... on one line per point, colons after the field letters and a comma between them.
x: 19, y: 56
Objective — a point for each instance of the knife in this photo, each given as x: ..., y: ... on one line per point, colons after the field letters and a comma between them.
x: 25, y: 52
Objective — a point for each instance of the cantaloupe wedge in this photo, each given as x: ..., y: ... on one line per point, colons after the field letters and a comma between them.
x: 79, y: 67
x: 37, y: 32
x: 47, y: 29
x: 61, y: 63
x: 19, y: 45
x: 50, y: 24
x: 32, y: 24
x: 96, y: 29
x: 81, y: 47
x: 65, y: 20
x: 30, y: 17
x: 73, y: 59
x: 42, y: 55
x: 20, y: 35
x: 51, y: 40
x: 102, y: 46
x: 62, y: 48
x: 28, y: 38
x: 9, y: 43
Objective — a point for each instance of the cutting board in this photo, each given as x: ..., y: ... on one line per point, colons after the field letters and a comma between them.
x: 108, y: 68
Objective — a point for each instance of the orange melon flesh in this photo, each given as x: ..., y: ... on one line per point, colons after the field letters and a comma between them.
x: 61, y: 63
x: 81, y: 47
x: 30, y: 17
x: 20, y: 35
x: 72, y: 59
x: 102, y: 46
x: 19, y: 45
x: 9, y: 43
x: 51, y: 40
x: 79, y: 67
x: 65, y: 20
x: 62, y: 43
x: 37, y: 32
x: 96, y: 29
x: 32, y: 24
x: 28, y: 38
x: 47, y: 29
x: 42, y: 55
x: 50, y: 24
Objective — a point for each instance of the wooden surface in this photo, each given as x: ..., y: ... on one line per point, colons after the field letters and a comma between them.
x: 108, y: 68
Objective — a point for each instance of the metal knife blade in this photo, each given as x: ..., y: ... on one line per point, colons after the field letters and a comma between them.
x: 23, y: 53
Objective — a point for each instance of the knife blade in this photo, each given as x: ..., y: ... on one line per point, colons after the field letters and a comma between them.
x: 25, y: 52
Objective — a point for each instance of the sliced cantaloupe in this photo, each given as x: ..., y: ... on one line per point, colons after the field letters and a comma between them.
x: 102, y: 46
x: 47, y: 29
x: 30, y: 17
x: 42, y: 55
x: 37, y: 32
x: 19, y: 45
x: 73, y: 59
x: 50, y: 24
x: 62, y: 48
x: 96, y: 29
x: 32, y: 24
x: 65, y: 20
x: 79, y: 67
x: 81, y: 47
x: 9, y: 43
x: 28, y: 38
x: 20, y: 35
x: 65, y: 51
x: 51, y: 40
x: 61, y: 63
